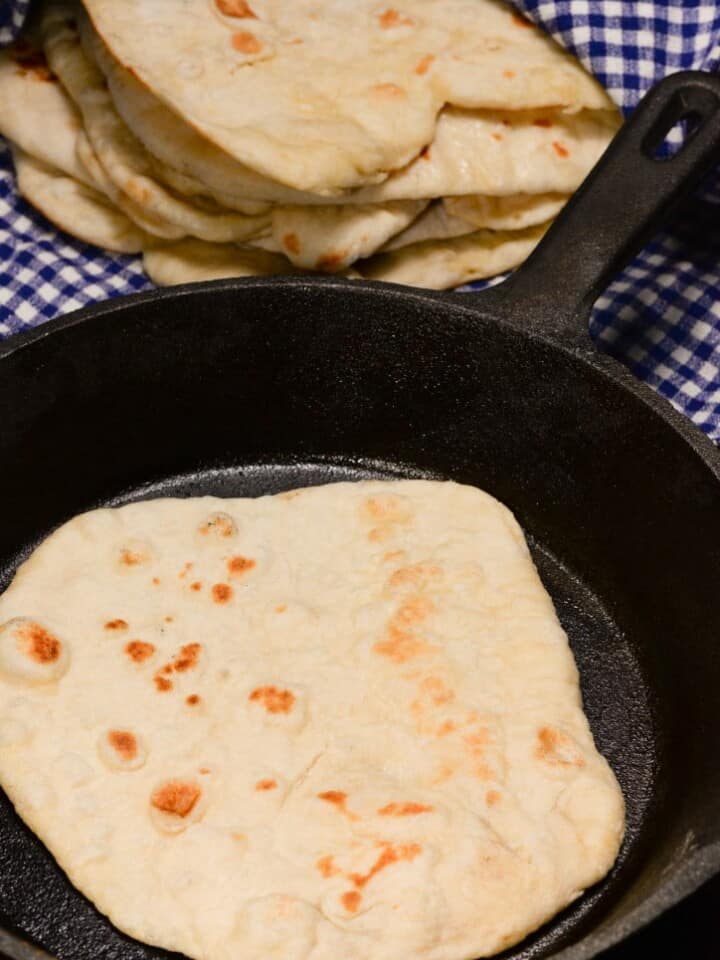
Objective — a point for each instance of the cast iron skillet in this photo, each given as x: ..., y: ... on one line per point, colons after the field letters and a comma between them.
x: 248, y: 387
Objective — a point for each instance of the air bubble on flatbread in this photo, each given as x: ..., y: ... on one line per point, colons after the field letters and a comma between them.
x: 218, y: 526
x: 122, y: 749
x: 276, y: 704
x: 176, y: 803
x: 134, y: 554
x: 31, y: 652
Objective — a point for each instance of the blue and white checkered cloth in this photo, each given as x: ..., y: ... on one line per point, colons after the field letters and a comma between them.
x: 661, y: 317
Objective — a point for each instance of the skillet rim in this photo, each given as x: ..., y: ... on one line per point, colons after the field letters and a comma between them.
x: 700, y: 863
x: 469, y: 301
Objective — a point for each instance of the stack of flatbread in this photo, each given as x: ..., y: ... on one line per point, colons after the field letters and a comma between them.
x: 428, y: 142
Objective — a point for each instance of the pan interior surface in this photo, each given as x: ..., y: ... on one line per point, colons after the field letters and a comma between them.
x: 37, y: 900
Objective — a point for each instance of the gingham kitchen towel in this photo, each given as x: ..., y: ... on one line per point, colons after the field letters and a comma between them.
x: 661, y: 317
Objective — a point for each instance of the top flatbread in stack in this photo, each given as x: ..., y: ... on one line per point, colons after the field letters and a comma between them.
x: 232, y: 137
x: 340, y: 722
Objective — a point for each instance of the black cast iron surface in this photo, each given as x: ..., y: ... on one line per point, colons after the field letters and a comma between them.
x: 249, y: 387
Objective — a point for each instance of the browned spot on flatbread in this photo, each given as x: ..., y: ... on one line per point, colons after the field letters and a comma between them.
x: 393, y: 18
x: 444, y: 773
x: 542, y: 122
x: 37, y: 643
x: 156, y: 581
x: 388, y: 91
x: 417, y: 575
x: 185, y: 570
x: 162, y: 684
x: 437, y: 690
x: 193, y: 700
x: 339, y: 800
x: 281, y: 608
x: 222, y: 592
x: 236, y: 8
x: 407, y: 809
x: 414, y: 610
x: 139, y: 650
x: 327, y: 867
x: 560, y: 149
x: 291, y: 242
x: 493, y: 797
x: 351, y: 901
x: 477, y: 744
x: 220, y: 524
x: 386, y: 507
x: 245, y: 42
x: 32, y: 62
x: 176, y: 797
x: 266, y: 785
x: 557, y: 749
x: 237, y: 566
x: 331, y: 261
x: 124, y: 743
x: 424, y: 64
x: 401, y: 646
x: 478, y: 740
x: 196, y: 585
x: 393, y: 555
x: 445, y: 728
x: 508, y: 74
x: 273, y: 699
x: 188, y: 657
x: 391, y: 853
x: 497, y: 136
x: 130, y: 558
x: 116, y: 625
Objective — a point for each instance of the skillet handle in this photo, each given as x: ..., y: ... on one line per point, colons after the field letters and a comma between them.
x: 624, y: 200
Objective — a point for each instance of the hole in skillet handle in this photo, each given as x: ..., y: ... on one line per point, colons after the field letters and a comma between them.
x: 626, y: 198
x: 675, y: 139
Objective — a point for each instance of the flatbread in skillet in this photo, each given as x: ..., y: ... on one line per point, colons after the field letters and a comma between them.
x: 336, y: 722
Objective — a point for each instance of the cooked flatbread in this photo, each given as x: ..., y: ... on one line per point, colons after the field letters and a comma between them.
x: 36, y: 113
x: 75, y: 207
x: 435, y: 223
x: 441, y: 264
x: 440, y: 221
x: 501, y: 154
x: 505, y: 213
x: 154, y: 226
x: 330, y: 98
x: 329, y: 239
x: 122, y: 156
x: 186, y: 161
x: 189, y: 261
x: 475, y: 152
x: 339, y: 722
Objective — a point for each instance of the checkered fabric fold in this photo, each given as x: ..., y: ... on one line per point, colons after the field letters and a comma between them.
x: 661, y: 317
